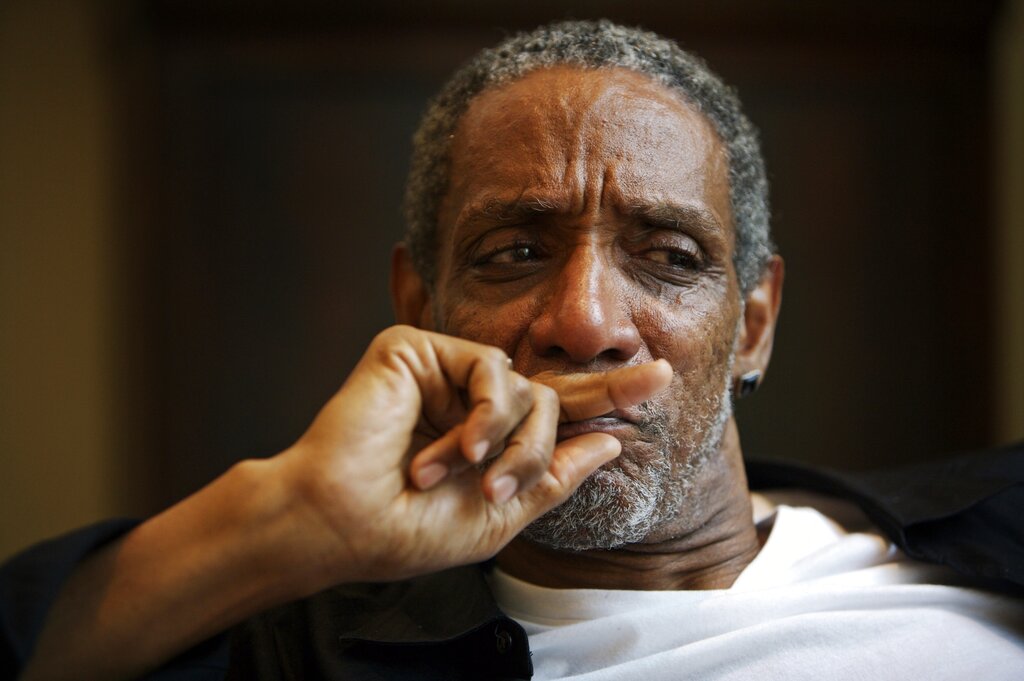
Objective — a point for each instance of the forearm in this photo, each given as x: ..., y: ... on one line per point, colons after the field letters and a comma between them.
x: 223, y: 554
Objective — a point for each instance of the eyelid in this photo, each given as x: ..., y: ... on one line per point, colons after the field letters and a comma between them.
x: 669, y: 239
x: 698, y: 262
x: 478, y: 258
x: 472, y: 247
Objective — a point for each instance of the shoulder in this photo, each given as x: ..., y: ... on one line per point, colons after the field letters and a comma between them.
x: 962, y: 511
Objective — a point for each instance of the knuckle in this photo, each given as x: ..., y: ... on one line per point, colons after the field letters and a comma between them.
x: 498, y: 404
x: 544, y: 395
x: 384, y: 337
x: 393, y: 335
x: 496, y: 356
x: 534, y: 453
x: 546, y: 400
x: 521, y: 389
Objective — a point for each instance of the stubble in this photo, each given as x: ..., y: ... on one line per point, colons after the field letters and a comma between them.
x: 628, y: 500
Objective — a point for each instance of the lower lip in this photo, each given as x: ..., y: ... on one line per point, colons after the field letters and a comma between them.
x: 604, y: 424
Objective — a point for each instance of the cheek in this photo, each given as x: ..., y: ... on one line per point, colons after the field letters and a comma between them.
x: 504, y: 325
x: 695, y: 336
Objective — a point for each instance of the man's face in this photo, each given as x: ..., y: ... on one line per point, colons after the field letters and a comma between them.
x: 588, y: 226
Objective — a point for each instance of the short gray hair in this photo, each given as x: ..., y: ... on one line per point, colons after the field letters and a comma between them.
x: 591, y: 44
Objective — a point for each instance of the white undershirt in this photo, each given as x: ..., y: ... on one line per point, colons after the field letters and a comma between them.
x: 818, y: 602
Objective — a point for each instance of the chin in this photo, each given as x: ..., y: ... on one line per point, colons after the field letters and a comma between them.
x: 646, y: 494
x: 609, y: 510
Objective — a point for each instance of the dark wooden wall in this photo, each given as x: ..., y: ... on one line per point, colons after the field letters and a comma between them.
x: 265, y: 148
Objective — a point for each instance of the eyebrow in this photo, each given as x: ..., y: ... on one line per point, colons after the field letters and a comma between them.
x: 678, y: 217
x: 501, y: 210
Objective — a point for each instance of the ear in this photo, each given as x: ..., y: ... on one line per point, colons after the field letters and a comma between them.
x: 410, y: 297
x: 760, y: 314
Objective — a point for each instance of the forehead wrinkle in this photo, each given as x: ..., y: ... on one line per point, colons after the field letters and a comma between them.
x: 598, y: 119
x: 584, y: 120
x: 568, y: 126
x: 653, y: 115
x: 583, y: 125
x: 589, y: 128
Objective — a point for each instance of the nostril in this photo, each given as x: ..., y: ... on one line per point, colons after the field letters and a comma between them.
x: 553, y: 352
x: 581, y: 343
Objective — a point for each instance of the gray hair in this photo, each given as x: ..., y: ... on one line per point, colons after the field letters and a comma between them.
x: 591, y: 44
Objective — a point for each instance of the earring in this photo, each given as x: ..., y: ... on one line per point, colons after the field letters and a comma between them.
x: 747, y: 383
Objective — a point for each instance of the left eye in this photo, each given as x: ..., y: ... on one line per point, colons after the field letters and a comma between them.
x: 674, y: 258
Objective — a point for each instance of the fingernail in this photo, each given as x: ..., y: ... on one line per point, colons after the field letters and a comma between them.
x: 479, y: 451
x: 430, y: 475
x: 503, y: 489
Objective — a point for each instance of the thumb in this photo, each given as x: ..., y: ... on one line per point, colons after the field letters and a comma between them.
x: 583, y: 396
x: 572, y: 462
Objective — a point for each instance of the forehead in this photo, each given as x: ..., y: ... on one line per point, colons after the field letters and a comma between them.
x: 574, y: 135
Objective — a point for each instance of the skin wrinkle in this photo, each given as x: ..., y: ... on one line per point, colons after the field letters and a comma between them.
x: 587, y: 309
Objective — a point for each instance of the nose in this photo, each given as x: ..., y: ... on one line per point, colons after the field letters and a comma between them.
x: 586, y: 316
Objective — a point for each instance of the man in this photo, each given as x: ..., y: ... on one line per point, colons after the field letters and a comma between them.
x: 590, y: 272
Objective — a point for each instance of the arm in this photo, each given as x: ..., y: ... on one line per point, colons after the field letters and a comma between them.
x: 340, y: 505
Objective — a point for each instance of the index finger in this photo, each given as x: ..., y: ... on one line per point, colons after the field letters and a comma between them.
x: 584, y: 396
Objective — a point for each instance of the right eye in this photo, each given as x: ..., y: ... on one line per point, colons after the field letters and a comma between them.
x: 516, y: 253
x: 519, y: 251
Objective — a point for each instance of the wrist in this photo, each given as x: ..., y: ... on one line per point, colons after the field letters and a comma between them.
x: 272, y: 524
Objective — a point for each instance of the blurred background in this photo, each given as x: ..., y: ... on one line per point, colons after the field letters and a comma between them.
x: 198, y: 200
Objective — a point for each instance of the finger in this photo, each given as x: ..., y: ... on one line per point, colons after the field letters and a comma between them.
x: 524, y: 454
x: 584, y: 396
x: 454, y: 376
x: 437, y: 460
x: 528, y: 451
x: 495, y: 403
x: 443, y: 458
x: 494, y: 415
x: 573, y: 460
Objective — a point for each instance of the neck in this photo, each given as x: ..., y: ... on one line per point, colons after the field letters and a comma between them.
x: 708, y: 552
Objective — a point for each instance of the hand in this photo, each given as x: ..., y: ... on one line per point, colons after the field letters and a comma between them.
x: 390, y: 471
x: 341, y: 505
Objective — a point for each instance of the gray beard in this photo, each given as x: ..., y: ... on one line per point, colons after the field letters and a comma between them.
x: 615, y: 506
